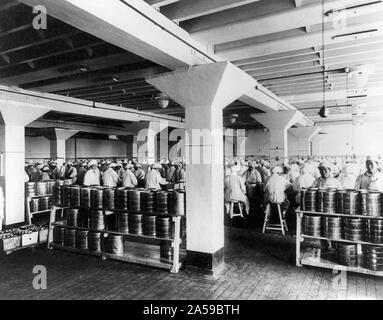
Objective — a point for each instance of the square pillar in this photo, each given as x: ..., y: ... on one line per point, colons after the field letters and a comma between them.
x: 58, y: 139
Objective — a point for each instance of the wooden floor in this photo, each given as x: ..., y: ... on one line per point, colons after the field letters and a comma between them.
x: 257, y: 267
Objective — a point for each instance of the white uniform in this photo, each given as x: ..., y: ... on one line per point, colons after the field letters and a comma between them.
x: 92, y: 177
x: 129, y: 179
x: 153, y: 180
x: 110, y: 178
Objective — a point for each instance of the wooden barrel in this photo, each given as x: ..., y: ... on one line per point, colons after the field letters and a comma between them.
x: 373, y: 204
x: 59, y: 235
x: 96, y: 198
x: 176, y: 204
x: 164, y: 229
x: 45, y: 203
x: 351, y: 202
x: 332, y: 227
x: 329, y: 204
x: 123, y: 222
x: 41, y: 188
x: 147, y: 202
x: 35, y: 205
x: 70, y: 238
x: 310, y: 199
x: 134, y: 200
x: 320, y: 200
x: 340, y: 200
x: 82, y: 239
x: 363, y: 201
x: 109, y: 198
x: 166, y: 250
x: 114, y: 244
x: 65, y: 195
x: 50, y: 184
x: 72, y: 217
x: 161, y: 202
x: 373, y: 257
x: 75, y: 196
x: 354, y: 229
x: 30, y: 189
x: 97, y: 220
x: 347, y: 254
x: 375, y: 231
x: 312, y: 226
x: 94, y: 241
x: 135, y: 224
x: 56, y: 194
x: 85, y: 197
x: 122, y: 199
x: 150, y: 226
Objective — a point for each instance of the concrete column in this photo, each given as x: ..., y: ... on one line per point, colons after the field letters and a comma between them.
x: 204, y: 91
x: 177, y: 144
x: 304, y: 136
x: 278, y: 123
x: 163, y: 144
x: 57, y: 139
x: 14, y: 118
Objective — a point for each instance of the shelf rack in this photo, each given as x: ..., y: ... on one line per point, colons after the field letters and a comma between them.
x: 309, y: 260
x: 152, y: 260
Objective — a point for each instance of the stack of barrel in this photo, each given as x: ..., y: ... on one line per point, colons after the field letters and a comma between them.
x: 147, y: 202
x: 176, y: 203
x: 96, y: 198
x: 347, y: 254
x: 161, y: 202
x: 56, y: 195
x: 136, y: 224
x: 45, y: 203
x: 94, y: 241
x: 82, y: 239
x: 109, y: 198
x: 85, y: 197
x: 123, y: 222
x: 72, y: 216
x: 122, y: 200
x: 65, y: 195
x: 164, y: 229
x: 373, y: 257
x: 134, y: 197
x: 114, y: 244
x: 59, y: 235
x: 30, y: 189
x: 97, y: 220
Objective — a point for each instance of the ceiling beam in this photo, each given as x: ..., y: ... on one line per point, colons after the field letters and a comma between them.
x: 160, y: 3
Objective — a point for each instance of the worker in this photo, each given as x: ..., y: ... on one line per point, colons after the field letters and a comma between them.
x: 129, y: 180
x: 326, y: 179
x: 371, y: 179
x: 276, y: 187
x: 45, y: 170
x: 81, y: 173
x: 139, y: 173
x: 264, y: 170
x: 30, y: 169
x: 235, y: 189
x: 153, y: 179
x: 179, y: 175
x: 71, y: 172
x: 303, y: 181
x: 165, y: 169
x: 119, y: 169
x: 253, y: 180
x: 92, y: 176
x: 172, y: 169
x: 294, y: 173
x: 110, y: 176
x: 58, y: 171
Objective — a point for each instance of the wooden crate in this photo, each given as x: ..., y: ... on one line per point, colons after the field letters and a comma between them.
x: 10, y: 243
x: 30, y: 238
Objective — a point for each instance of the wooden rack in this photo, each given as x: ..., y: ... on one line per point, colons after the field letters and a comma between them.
x: 152, y: 259
x: 304, y: 258
x: 28, y: 213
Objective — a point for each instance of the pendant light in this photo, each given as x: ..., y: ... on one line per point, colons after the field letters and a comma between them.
x: 323, y: 112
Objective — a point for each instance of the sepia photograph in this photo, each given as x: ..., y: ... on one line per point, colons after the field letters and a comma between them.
x: 191, y: 156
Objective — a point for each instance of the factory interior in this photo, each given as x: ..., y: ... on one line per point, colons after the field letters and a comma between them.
x: 191, y: 149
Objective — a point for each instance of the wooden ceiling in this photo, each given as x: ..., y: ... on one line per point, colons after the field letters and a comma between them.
x: 278, y: 42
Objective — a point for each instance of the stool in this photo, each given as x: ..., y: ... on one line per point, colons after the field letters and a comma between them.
x: 282, y: 222
x: 231, y: 210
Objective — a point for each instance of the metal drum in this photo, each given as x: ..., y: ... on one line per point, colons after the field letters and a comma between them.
x: 97, y: 220
x: 332, y: 228
x: 310, y: 199
x: 363, y: 201
x: 303, y: 197
x: 162, y: 202
x: 41, y: 188
x: 375, y: 231
x: 339, y: 198
x: 166, y: 250
x: 373, y: 257
x: 320, y: 200
x: 96, y: 198
x: 45, y: 203
x: 30, y: 189
x: 72, y: 217
x: 150, y: 226
x: 35, y: 205
x: 94, y: 241
x: 114, y: 244
x: 82, y: 239
x: 134, y: 200
x: 147, y: 201
x: 123, y: 222
x: 83, y: 217
x: 351, y: 203
x: 109, y: 198
x: 347, y: 254
x: 135, y: 224
x: 70, y: 238
x: 329, y: 201
x: 56, y: 194
x: 50, y: 184
x: 65, y: 195
x: 176, y: 204
x: 164, y: 228
x: 85, y: 198
x: 373, y: 204
x: 59, y: 235
x: 312, y: 226
x: 122, y: 199
x: 354, y: 229
x: 75, y: 196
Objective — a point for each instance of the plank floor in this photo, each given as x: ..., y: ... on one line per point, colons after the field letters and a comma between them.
x: 258, y: 267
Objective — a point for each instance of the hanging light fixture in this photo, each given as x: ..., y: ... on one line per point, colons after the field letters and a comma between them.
x: 323, y: 112
x: 162, y: 100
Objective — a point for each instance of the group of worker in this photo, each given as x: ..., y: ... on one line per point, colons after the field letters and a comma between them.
x: 282, y: 184
x: 124, y: 173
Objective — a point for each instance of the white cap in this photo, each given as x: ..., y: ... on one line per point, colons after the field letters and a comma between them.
x: 92, y: 163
